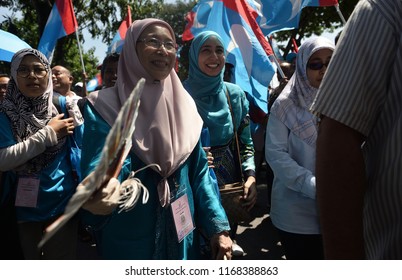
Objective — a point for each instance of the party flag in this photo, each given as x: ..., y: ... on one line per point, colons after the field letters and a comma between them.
x: 276, y: 15
x: 61, y: 22
x: 118, y: 39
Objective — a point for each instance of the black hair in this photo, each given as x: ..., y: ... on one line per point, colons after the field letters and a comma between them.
x: 112, y: 57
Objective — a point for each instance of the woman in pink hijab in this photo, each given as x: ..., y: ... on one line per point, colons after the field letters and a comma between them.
x: 182, y: 201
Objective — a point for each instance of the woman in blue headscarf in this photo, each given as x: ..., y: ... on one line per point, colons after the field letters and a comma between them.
x: 206, y: 85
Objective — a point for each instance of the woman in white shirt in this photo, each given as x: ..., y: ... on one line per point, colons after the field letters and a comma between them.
x: 290, y: 151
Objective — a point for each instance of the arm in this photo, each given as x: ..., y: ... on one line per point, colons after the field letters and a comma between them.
x: 246, y: 147
x: 340, y: 189
x: 19, y: 153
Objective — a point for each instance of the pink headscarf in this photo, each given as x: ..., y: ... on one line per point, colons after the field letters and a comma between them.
x: 168, y: 126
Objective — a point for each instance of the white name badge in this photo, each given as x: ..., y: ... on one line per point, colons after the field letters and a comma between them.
x: 182, y: 217
x: 27, y: 192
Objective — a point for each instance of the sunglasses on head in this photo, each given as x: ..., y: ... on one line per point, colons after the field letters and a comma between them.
x: 317, y: 65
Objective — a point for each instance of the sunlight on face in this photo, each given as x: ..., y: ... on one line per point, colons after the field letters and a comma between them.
x: 211, y: 58
x: 158, y: 62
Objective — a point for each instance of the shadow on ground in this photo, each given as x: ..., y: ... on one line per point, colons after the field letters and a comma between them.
x: 259, y: 239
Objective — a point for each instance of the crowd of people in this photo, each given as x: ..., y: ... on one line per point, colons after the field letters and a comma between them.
x: 331, y: 142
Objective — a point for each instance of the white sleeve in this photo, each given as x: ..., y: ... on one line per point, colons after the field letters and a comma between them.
x: 18, y: 154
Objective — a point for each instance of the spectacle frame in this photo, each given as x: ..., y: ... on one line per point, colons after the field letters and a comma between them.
x: 169, y: 46
x: 38, y: 71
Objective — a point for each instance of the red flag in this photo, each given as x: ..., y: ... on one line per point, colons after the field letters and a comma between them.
x: 125, y: 24
x: 67, y: 15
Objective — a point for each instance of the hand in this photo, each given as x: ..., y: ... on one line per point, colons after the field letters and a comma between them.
x: 62, y: 127
x: 209, y: 157
x: 105, y: 200
x: 221, y: 246
x: 249, y: 197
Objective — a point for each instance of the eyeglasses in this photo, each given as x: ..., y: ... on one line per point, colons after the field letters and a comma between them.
x: 170, y: 46
x: 38, y: 71
x: 317, y: 65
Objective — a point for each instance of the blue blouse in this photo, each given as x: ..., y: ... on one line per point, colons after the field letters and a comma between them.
x: 56, y: 187
x: 147, y: 231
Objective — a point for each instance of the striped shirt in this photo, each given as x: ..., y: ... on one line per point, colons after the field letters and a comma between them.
x: 363, y: 90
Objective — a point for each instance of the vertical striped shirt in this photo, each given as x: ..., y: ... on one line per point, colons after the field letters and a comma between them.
x: 363, y: 90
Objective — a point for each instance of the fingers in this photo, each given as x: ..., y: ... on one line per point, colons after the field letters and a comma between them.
x: 221, y: 246
x: 105, y: 200
x: 250, y: 197
x: 224, y: 255
x: 59, y: 116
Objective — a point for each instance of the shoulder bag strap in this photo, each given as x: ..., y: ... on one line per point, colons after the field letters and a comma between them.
x: 235, y: 133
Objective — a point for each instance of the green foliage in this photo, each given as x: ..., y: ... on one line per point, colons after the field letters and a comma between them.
x: 314, y: 21
x: 175, y: 14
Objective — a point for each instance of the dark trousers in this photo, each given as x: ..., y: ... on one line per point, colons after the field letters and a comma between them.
x: 301, y: 246
x: 10, y: 248
x: 61, y: 246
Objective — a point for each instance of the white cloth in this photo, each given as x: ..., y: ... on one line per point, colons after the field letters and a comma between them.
x: 290, y: 149
x: 16, y: 155
x: 293, y: 203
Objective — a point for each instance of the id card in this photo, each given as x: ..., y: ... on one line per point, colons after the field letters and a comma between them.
x: 27, y: 192
x: 182, y: 217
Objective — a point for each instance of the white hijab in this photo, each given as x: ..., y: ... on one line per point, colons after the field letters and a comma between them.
x: 292, y: 105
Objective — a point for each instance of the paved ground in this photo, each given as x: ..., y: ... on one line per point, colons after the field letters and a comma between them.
x: 258, y: 238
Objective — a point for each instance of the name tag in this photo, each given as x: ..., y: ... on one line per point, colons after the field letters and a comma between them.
x: 182, y: 217
x: 27, y: 192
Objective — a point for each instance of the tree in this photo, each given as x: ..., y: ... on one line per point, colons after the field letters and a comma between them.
x: 29, y: 27
x: 314, y: 21
x: 99, y: 17
x: 102, y: 19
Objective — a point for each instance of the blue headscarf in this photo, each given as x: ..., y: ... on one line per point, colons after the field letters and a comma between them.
x: 209, y: 93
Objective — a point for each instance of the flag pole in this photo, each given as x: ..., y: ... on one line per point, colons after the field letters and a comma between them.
x: 272, y: 57
x: 84, y: 74
x: 79, y: 48
x: 338, y: 10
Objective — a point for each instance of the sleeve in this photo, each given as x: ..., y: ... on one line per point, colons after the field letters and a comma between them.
x: 352, y: 91
x: 209, y: 211
x: 94, y: 138
x: 285, y: 168
x: 19, y: 153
